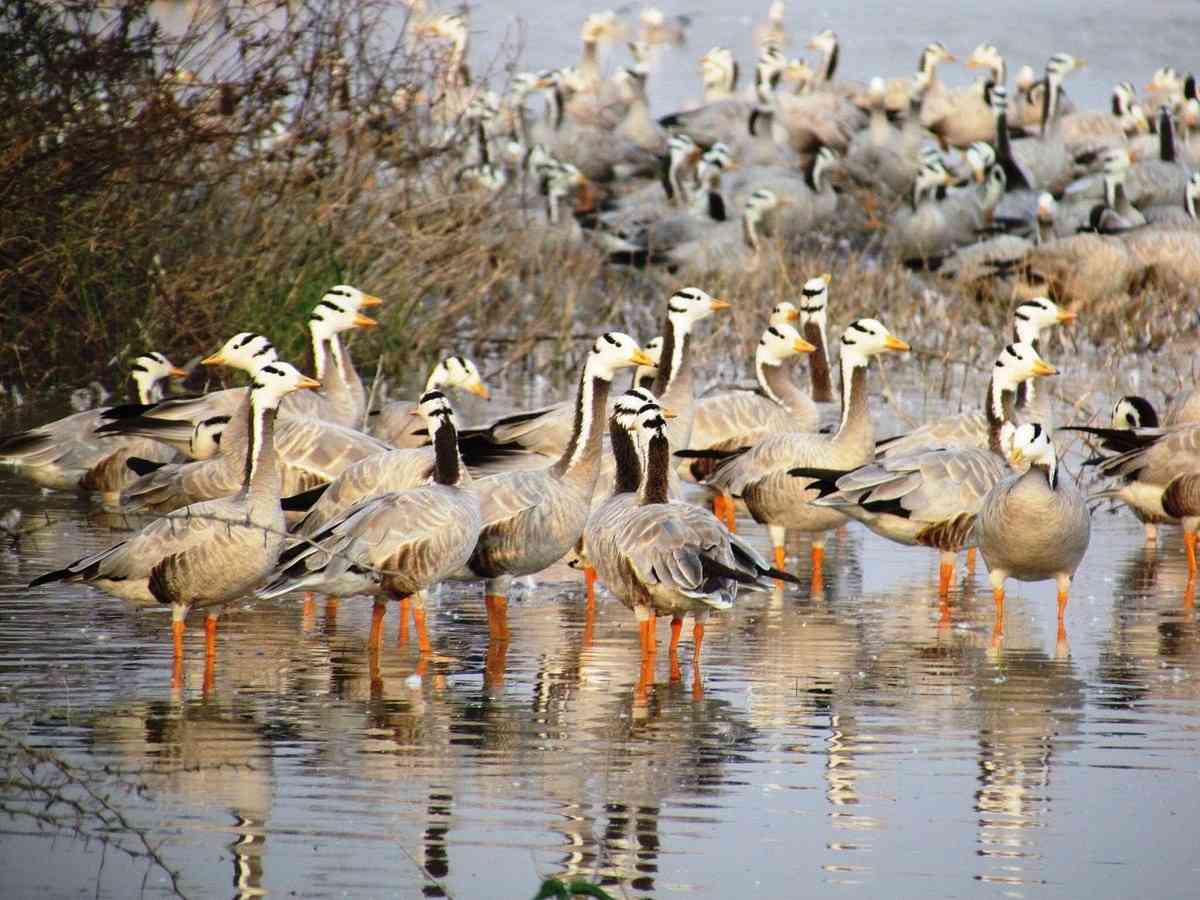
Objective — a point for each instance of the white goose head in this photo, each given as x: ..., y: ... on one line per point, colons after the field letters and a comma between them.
x: 276, y: 380
x: 718, y: 69
x: 245, y: 351
x: 1032, y: 317
x: 865, y: 338
x: 1047, y: 208
x: 690, y: 305
x: 1134, y: 412
x: 1030, y: 444
x: 780, y: 343
x: 337, y: 312
x: 614, y: 350
x: 814, y: 306
x: 980, y: 159
x: 433, y: 407
x: 457, y: 372
x: 205, y: 442
x: 784, y: 314
x: 1017, y: 363
x: 148, y: 371
x: 986, y: 56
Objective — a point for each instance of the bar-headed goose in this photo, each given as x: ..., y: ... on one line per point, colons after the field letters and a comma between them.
x: 209, y: 553
x: 760, y: 474
x: 661, y: 557
x: 1031, y: 318
x: 60, y: 455
x: 1033, y: 526
x: 533, y: 518
x: 930, y: 498
x: 398, y: 542
x: 395, y: 422
x: 338, y: 311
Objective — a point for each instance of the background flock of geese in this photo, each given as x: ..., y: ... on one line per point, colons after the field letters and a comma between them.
x: 293, y: 484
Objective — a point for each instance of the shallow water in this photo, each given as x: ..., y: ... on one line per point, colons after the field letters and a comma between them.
x: 844, y: 743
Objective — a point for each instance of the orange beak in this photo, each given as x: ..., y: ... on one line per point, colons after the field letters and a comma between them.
x: 308, y: 384
x: 364, y: 321
x: 369, y: 300
x: 479, y: 389
x: 176, y: 372
x: 215, y: 360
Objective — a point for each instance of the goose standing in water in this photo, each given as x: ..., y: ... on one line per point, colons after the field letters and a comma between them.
x: 67, y: 455
x: 930, y: 498
x: 209, y: 553
x: 661, y: 557
x: 1032, y: 526
x: 399, y: 542
x: 531, y: 519
x: 395, y: 422
x: 760, y: 474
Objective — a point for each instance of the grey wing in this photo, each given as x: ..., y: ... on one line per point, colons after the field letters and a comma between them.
x: 771, y: 455
x: 741, y: 418
x: 664, y: 554
x: 963, y: 430
x: 381, y: 473
x: 396, y: 425
x: 317, y: 451
x: 175, y: 486
x: 170, y: 535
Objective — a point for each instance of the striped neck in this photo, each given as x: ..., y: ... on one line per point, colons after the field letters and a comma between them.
x: 674, y: 368
x: 854, y: 390
x: 998, y: 409
x: 261, y: 475
x: 818, y: 360
x: 447, y: 468
x: 658, y: 464
x: 629, y: 465
x: 579, y: 461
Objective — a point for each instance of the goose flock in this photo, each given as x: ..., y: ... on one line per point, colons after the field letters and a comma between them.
x: 294, y: 485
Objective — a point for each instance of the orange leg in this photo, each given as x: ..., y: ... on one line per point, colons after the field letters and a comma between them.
x: 676, y: 629
x: 494, y: 664
x: 497, y: 608
x: 378, y: 611
x: 945, y: 576
x: 422, y: 632
x: 210, y: 651
x: 780, y: 559
x: 589, y: 581
x: 645, y: 679
x: 1062, y: 606
x: 373, y: 672
x: 697, y: 642
x: 177, y: 628
x: 970, y: 560
x: 331, y: 606
x: 1189, y: 544
x: 402, y: 631
x: 725, y: 510
x: 646, y: 627
x: 308, y: 613
x: 818, y: 575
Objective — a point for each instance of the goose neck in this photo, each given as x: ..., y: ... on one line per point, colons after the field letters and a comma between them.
x: 658, y: 463
x: 999, y: 409
x: 261, y: 477
x: 628, y: 465
x: 775, y: 381
x: 579, y: 461
x: 448, y: 468
x: 855, y: 414
x: 674, y: 369
x: 818, y: 360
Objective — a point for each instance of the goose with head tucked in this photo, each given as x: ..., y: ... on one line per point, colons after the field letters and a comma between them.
x: 400, y: 539
x: 760, y: 474
x: 210, y: 553
x: 531, y: 519
x: 1033, y: 526
x: 931, y: 497
x: 395, y: 422
x: 62, y: 455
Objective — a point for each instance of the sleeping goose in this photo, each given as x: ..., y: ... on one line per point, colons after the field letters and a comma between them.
x: 399, y: 541
x: 60, y: 455
x: 1030, y: 319
x: 759, y: 474
x: 531, y: 519
x: 728, y: 245
x: 209, y: 553
x: 1032, y: 526
x: 395, y: 422
x: 930, y: 498
x: 661, y: 557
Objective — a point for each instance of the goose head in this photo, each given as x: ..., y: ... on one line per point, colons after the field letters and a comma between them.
x: 1032, y: 317
x: 458, y: 372
x: 337, y: 312
x: 980, y: 158
x: 1019, y: 362
x: 614, y: 350
x: 690, y: 305
x: 348, y: 295
x: 815, y: 303
x: 631, y: 84
x: 600, y: 26
x: 205, y: 441
x: 1030, y: 445
x: 433, y: 407
x: 628, y: 406
x: 985, y: 56
x: 276, y: 380
x: 1165, y: 81
x: 784, y: 313
x: 1133, y: 411
x: 934, y: 54
x: 1047, y: 208
x: 645, y: 375
x: 823, y: 165
x: 526, y: 83
x: 718, y: 69
x: 865, y: 338
x: 1025, y: 80
x: 245, y: 351
x: 149, y: 369
x: 779, y: 343
x: 1062, y: 64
